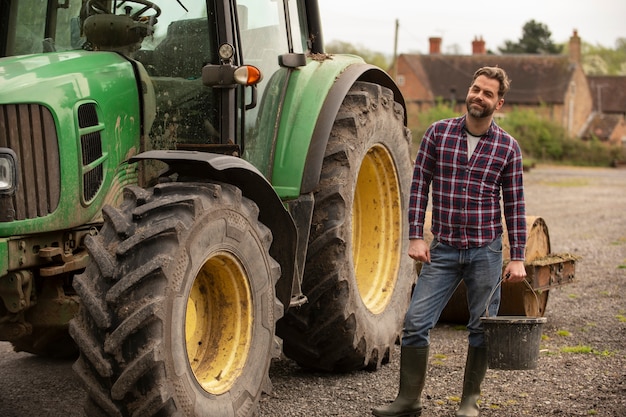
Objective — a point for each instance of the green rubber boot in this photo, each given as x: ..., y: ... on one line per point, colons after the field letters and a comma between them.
x: 413, y: 364
x: 475, y: 370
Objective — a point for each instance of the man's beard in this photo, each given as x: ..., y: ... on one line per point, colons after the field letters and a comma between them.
x: 481, y: 112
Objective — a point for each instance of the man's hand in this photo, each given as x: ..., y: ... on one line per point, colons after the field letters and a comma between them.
x: 515, y: 271
x: 419, y: 250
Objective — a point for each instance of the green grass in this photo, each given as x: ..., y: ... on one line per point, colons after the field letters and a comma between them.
x: 585, y: 350
x: 439, y: 358
x: 577, y: 349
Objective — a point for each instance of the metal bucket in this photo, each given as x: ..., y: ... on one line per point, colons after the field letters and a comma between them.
x: 513, y: 341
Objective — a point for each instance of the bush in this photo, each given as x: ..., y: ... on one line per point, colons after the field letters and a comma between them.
x: 541, y: 140
x: 538, y: 138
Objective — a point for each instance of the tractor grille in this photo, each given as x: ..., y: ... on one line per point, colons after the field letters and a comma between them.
x: 91, y: 148
x: 29, y: 130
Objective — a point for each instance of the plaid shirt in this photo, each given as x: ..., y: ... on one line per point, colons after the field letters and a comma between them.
x: 466, y: 194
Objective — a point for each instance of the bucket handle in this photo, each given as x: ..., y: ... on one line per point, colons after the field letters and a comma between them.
x: 500, y: 283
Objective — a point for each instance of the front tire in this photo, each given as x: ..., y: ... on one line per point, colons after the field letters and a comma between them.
x: 178, y: 310
x: 357, y: 278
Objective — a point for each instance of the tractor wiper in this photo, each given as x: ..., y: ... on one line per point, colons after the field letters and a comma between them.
x: 182, y: 5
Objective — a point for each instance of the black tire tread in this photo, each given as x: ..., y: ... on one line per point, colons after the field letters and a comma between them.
x: 325, y: 333
x: 119, y: 328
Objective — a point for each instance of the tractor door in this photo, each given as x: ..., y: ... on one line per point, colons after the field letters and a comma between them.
x: 186, y: 112
x: 272, y: 38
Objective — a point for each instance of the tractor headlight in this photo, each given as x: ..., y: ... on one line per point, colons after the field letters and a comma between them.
x: 8, y: 171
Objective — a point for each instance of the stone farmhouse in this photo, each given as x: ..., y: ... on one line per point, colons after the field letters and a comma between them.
x: 609, y: 104
x: 552, y: 85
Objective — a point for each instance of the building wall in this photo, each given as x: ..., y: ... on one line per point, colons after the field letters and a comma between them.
x: 418, y: 96
x: 578, y: 104
x: 618, y: 136
x: 410, y: 82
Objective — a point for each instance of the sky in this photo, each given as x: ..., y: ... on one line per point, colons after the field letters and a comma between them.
x: 371, y: 24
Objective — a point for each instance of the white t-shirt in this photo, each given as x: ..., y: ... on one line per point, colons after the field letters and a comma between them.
x: 472, y: 142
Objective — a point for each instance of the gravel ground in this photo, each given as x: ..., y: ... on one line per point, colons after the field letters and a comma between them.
x: 582, y: 364
x: 585, y: 210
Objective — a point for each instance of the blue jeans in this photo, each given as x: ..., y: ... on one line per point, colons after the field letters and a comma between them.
x: 480, y: 268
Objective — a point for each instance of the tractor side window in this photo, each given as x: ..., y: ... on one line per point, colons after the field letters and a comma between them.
x: 263, y: 34
x: 297, y: 18
x: 29, y: 30
x: 34, y: 32
x: 182, y: 43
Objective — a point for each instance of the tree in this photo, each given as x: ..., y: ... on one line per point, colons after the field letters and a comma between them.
x: 371, y: 57
x: 599, y: 60
x: 535, y: 40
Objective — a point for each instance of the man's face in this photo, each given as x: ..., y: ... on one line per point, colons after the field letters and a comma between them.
x: 482, y: 98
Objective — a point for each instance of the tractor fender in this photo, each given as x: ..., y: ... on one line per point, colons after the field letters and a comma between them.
x: 254, y: 186
x: 310, y: 105
x: 324, y: 124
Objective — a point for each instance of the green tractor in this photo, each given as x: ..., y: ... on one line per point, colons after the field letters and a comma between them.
x: 189, y: 188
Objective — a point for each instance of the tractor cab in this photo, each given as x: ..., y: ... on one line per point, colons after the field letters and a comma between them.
x: 173, y: 43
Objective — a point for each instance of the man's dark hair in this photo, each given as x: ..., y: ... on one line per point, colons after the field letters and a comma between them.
x: 495, y: 73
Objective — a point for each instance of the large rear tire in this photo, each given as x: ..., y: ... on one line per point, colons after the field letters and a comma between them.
x: 178, y: 310
x: 357, y: 278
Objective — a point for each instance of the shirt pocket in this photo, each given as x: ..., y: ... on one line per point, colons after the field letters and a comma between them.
x: 483, y: 196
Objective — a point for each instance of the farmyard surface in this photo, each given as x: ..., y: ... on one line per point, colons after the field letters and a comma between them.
x: 585, y: 210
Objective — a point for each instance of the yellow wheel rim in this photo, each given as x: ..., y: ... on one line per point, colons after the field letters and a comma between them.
x: 377, y: 229
x: 218, y: 323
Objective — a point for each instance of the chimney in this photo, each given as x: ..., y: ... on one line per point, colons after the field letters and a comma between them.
x: 435, y: 45
x: 478, y: 46
x: 574, y: 48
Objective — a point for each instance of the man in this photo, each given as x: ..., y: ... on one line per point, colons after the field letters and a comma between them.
x: 467, y: 161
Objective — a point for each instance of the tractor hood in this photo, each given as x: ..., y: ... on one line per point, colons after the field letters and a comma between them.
x: 79, y: 118
x: 66, y: 73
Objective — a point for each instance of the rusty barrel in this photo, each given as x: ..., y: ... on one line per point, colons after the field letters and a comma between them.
x: 517, y: 299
